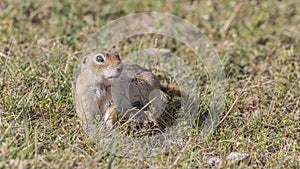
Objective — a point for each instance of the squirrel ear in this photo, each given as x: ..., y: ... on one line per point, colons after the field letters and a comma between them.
x: 112, y: 52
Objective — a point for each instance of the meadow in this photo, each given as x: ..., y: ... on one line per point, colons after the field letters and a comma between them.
x: 258, y: 44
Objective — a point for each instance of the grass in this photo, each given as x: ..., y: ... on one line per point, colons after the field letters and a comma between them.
x: 257, y: 41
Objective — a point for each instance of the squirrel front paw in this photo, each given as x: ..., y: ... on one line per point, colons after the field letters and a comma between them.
x: 110, y: 117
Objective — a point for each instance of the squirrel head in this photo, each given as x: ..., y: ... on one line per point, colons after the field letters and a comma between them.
x: 102, y: 67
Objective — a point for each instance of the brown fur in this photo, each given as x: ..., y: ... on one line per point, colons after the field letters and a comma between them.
x: 93, y: 88
x: 92, y: 96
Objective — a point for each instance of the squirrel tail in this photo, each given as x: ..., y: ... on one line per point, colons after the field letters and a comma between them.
x: 170, y: 89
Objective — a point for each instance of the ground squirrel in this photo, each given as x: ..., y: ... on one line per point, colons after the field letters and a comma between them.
x: 103, y: 79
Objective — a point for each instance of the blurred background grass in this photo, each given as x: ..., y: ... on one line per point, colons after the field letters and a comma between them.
x: 258, y: 43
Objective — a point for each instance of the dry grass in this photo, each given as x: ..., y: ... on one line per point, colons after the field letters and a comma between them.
x: 258, y: 44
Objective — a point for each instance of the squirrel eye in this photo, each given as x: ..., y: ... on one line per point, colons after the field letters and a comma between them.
x: 99, y: 58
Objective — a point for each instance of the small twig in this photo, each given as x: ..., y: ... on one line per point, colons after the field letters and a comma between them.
x: 180, y: 155
x: 230, y: 109
x: 138, y: 111
x: 234, y: 103
x: 231, y: 18
x: 68, y: 63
